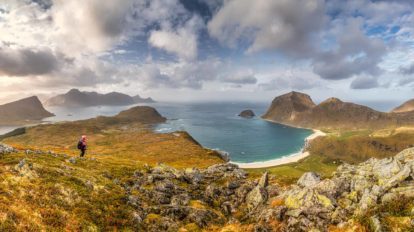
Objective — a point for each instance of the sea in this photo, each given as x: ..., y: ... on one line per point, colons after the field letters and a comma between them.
x: 215, y: 125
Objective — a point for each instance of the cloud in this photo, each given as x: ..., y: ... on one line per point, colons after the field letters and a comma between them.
x: 364, y: 82
x: 25, y: 62
x: 286, y: 26
x: 239, y: 78
x: 292, y: 80
x: 181, y: 42
x: 355, y: 54
x: 409, y: 70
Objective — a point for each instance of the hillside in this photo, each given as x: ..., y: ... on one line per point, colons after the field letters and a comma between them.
x: 52, y: 191
x: 76, y: 98
x: 298, y: 109
x: 23, y: 111
x: 405, y: 107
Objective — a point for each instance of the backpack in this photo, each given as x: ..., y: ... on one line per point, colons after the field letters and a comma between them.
x: 80, y: 145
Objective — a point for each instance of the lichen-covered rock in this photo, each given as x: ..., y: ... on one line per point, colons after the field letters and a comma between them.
x: 307, y: 198
x: 309, y: 179
x: 6, y: 149
x: 256, y: 197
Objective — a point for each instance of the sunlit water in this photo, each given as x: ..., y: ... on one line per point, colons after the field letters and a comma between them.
x: 214, y: 125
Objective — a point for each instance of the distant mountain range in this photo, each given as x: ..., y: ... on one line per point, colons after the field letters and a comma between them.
x: 76, y: 98
x: 23, y: 111
x: 298, y: 109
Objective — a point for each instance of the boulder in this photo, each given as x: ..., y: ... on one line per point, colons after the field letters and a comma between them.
x: 256, y: 197
x: 307, y: 198
x: 264, y: 180
x: 247, y: 114
x: 309, y: 179
x: 6, y: 149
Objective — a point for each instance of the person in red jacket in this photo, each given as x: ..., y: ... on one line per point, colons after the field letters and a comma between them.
x: 82, y: 145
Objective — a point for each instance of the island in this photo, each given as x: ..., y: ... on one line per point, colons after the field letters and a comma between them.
x: 77, y: 98
x: 247, y: 114
x: 24, y: 111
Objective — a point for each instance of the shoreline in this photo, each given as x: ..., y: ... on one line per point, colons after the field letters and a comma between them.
x: 295, y: 157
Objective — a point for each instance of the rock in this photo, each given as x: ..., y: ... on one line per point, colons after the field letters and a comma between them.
x: 25, y: 169
x: 375, y: 224
x: 180, y: 200
x: 256, y: 197
x: 6, y: 149
x: 307, y: 198
x: 193, y: 175
x: 309, y: 179
x: 263, y: 182
x: 398, y: 178
x: 202, y: 217
x: 72, y: 160
x: 386, y: 168
x: 406, y: 155
x: 247, y: 114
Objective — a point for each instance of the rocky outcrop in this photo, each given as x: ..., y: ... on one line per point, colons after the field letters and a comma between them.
x: 23, y: 111
x: 298, y: 109
x: 247, y: 114
x: 143, y: 114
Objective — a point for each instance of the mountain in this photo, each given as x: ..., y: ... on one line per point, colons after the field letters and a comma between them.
x: 405, y: 107
x: 298, y: 109
x: 23, y: 111
x: 76, y: 98
x: 138, y: 99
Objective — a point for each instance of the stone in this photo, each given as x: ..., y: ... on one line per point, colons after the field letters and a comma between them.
x: 264, y: 180
x: 386, y: 168
x: 6, y: 149
x: 375, y: 224
x: 256, y: 197
x: 72, y: 160
x: 397, y: 178
x: 309, y: 179
x: 180, y: 200
x: 307, y: 198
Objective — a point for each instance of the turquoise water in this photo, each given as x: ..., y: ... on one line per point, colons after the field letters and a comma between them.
x: 214, y: 125
x: 217, y: 126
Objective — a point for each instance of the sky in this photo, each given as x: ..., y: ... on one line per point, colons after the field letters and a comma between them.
x: 209, y: 50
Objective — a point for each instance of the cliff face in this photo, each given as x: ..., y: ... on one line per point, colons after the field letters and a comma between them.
x: 405, y: 107
x: 21, y: 111
x: 299, y: 110
x: 76, y: 98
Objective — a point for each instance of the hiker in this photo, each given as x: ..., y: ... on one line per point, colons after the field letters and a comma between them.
x: 82, y: 145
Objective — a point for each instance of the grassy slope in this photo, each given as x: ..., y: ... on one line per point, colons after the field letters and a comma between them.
x: 358, y: 146
x: 59, y: 195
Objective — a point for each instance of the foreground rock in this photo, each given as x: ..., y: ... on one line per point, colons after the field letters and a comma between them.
x: 247, y: 114
x: 221, y: 193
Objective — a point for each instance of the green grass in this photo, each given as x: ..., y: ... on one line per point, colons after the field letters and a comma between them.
x: 289, y: 173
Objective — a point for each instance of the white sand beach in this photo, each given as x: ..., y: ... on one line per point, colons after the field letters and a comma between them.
x: 283, y: 160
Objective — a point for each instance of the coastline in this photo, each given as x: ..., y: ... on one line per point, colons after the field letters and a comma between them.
x: 295, y: 157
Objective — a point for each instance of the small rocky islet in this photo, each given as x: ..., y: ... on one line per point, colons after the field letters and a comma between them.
x: 247, y: 114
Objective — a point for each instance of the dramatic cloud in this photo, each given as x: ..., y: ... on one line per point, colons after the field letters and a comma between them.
x: 407, y: 70
x: 364, y: 82
x: 240, y: 78
x: 24, y: 62
x: 182, y: 41
x: 287, y: 26
x: 355, y: 54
